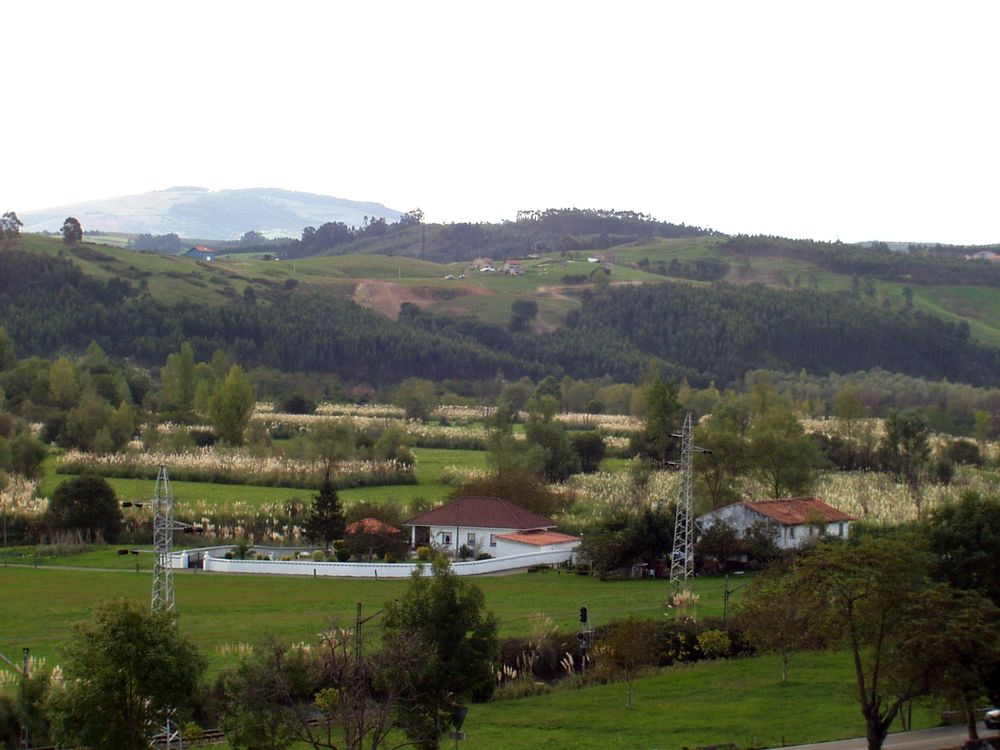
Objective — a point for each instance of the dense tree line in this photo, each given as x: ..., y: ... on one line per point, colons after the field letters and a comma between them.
x: 721, y: 332
x: 878, y: 262
x: 702, y: 334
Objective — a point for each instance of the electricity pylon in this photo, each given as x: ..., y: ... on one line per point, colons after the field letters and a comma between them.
x: 163, y: 544
x: 682, y: 555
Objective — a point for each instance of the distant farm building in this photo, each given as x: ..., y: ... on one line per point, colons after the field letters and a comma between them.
x: 201, y: 253
x: 795, y: 521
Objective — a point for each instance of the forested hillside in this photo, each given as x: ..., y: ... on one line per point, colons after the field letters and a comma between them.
x: 704, y: 332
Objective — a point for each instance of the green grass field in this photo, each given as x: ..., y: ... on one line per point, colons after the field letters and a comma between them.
x: 37, y: 605
x: 740, y: 701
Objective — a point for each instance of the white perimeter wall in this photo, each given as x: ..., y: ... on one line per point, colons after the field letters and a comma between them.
x: 371, y: 570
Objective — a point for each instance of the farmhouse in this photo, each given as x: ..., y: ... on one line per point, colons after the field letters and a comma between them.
x: 201, y: 253
x: 795, y: 521
x: 513, y: 268
x: 487, y: 524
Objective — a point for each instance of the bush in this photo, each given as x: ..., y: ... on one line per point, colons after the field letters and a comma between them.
x: 318, y: 555
x: 484, y: 556
x: 423, y: 553
x: 714, y: 644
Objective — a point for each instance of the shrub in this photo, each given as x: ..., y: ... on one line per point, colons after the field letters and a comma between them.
x: 318, y: 555
x: 423, y: 553
x: 484, y: 556
x: 714, y: 644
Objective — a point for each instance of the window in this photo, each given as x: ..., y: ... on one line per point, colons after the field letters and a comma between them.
x: 471, y: 538
x: 840, y: 530
x: 791, y: 532
x: 446, y: 539
x: 493, y: 540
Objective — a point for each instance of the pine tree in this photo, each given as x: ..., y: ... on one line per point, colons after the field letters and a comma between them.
x: 326, y: 520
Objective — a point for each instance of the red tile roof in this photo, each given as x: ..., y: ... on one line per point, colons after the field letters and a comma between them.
x: 203, y: 249
x: 482, y: 512
x: 371, y: 526
x: 539, y: 538
x: 798, y: 510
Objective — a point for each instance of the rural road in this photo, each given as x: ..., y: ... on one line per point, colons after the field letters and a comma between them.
x: 925, y: 739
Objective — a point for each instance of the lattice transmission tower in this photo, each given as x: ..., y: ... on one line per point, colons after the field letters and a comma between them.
x: 682, y: 555
x: 163, y: 544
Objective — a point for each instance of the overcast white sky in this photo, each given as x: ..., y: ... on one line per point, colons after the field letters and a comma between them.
x: 832, y: 120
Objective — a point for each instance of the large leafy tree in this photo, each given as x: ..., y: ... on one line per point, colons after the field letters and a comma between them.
x: 123, y: 670
x: 71, y: 230
x: 781, y: 455
x: 449, y: 615
x: 87, y: 504
x: 232, y: 406
x: 875, y: 598
x: 964, y: 538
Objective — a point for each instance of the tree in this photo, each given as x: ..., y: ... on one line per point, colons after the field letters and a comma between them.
x: 589, y: 448
x: 417, y: 397
x: 955, y: 637
x: 541, y: 430
x: 862, y: 595
x: 781, y: 455
x: 905, y: 449
x: 720, y: 542
x: 10, y: 227
x: 123, y: 669
x: 326, y: 520
x: 849, y: 410
x: 332, y: 441
x: 87, y: 504
x: 448, y: 614
x: 631, y: 644
x: 522, y: 313
x: 178, y: 378
x: 8, y: 356
x: 964, y: 538
x: 280, y: 694
x: 233, y: 406
x: 774, y: 617
x: 717, y: 469
x: 71, y: 230
x: 656, y: 439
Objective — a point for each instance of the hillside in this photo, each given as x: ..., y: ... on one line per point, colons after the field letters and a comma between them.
x: 592, y: 319
x: 208, y: 214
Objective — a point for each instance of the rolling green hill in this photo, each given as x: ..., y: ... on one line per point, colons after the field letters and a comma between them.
x: 142, y: 305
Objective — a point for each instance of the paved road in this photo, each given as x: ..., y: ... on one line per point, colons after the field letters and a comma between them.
x: 925, y: 739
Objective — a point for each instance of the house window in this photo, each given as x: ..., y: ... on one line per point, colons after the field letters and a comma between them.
x: 446, y: 539
x: 493, y: 540
x: 791, y: 532
x: 840, y: 530
x: 471, y: 538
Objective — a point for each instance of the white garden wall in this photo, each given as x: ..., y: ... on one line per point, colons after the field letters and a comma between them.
x: 214, y: 561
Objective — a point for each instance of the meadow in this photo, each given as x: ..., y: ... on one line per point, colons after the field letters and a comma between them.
x: 38, y: 605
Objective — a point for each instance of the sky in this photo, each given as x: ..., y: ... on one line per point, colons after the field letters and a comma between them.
x: 828, y: 120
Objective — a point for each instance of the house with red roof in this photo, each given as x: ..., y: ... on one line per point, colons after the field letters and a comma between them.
x: 201, y: 252
x: 795, y: 521
x: 487, y: 524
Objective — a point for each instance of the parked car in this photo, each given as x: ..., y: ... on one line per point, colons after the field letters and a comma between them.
x: 992, y: 718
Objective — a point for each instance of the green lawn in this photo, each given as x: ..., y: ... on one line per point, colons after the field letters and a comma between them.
x: 38, y: 605
x: 738, y: 701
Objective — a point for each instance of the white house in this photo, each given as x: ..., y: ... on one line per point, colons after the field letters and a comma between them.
x: 795, y: 521
x: 487, y: 524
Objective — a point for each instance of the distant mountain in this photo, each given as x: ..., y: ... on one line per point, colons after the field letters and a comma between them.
x: 209, y: 214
